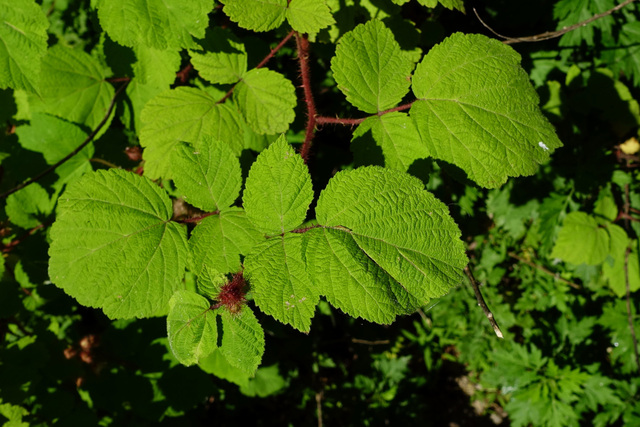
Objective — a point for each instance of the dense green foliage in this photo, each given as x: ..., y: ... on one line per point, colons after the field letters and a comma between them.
x: 277, y: 201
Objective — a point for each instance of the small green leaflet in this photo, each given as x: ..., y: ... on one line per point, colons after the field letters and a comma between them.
x: 278, y: 190
x: 266, y: 100
x: 73, y: 86
x: 114, y: 246
x: 191, y: 326
x: 23, y: 43
x: 477, y: 110
x: 305, y: 16
x: 157, y: 24
x: 219, y: 240
x: 582, y: 239
x: 613, y: 267
x: 30, y: 206
x: 279, y: 281
x: 222, y: 58
x: 55, y: 139
x: 242, y: 339
x: 207, y: 174
x: 395, y: 134
x: 370, y: 69
x: 411, y: 245
x: 184, y: 114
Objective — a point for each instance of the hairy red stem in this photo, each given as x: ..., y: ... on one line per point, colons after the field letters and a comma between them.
x: 352, y: 122
x: 303, y: 58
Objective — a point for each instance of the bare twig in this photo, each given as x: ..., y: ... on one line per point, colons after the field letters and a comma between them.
x: 629, y: 314
x: 319, y: 407
x: 104, y: 162
x: 552, y: 34
x: 367, y: 342
x: 305, y: 74
x: 74, y: 152
x: 261, y: 64
x: 481, y: 303
x: 544, y: 270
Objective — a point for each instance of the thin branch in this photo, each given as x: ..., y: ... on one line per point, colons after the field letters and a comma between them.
x: 629, y: 314
x: 197, y: 219
x: 12, y: 244
x: 319, y: 407
x: 367, y: 342
x: 552, y: 34
x: 303, y: 59
x: 544, y: 270
x: 104, y: 162
x: 74, y: 152
x: 321, y: 120
x: 481, y: 303
x: 261, y: 64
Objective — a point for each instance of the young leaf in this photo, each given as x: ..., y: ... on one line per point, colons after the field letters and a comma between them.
x: 266, y: 100
x: 278, y: 190
x: 160, y: 25
x: 257, y: 15
x: 223, y: 58
x: 219, y: 240
x: 309, y: 16
x: 30, y: 206
x: 279, y: 281
x: 397, y: 136
x: 370, y: 69
x: 208, y: 174
x: 55, y: 139
x: 73, y: 86
x: 184, y: 114
x: 477, y: 110
x: 114, y: 246
x: 242, y: 339
x: 353, y: 282
x: 191, y: 326
x: 399, y: 225
x: 580, y: 230
x: 23, y: 43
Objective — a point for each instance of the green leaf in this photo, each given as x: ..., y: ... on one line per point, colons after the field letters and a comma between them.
x: 191, y: 326
x: 223, y: 58
x: 257, y: 15
x: 156, y: 67
x: 242, y: 339
x: 278, y: 190
x: 114, y: 246
x: 209, y: 282
x: 279, y: 281
x: 309, y: 16
x: 397, y: 136
x: 613, y: 267
x: 623, y: 55
x: 216, y: 364
x: 399, y: 225
x: 23, y: 43
x: 582, y: 240
x: 55, y: 139
x: 370, y: 69
x: 73, y: 86
x: 207, y: 174
x: 30, y: 206
x: 266, y: 100
x: 219, y: 240
x: 184, y: 114
x: 161, y: 25
x: 449, y: 4
x: 352, y: 281
x: 477, y: 110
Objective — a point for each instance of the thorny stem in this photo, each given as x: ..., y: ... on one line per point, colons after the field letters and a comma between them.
x: 481, y: 303
x: 552, y: 34
x: 261, y: 64
x: 74, y: 152
x: 544, y: 270
x: 303, y: 58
